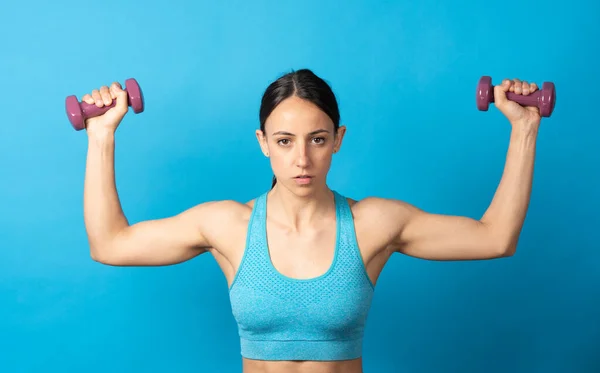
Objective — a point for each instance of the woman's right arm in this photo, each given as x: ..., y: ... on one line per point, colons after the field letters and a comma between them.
x: 112, y: 239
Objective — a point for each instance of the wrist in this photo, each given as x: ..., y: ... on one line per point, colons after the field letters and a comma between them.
x: 524, y: 128
x: 101, y: 137
x: 523, y: 138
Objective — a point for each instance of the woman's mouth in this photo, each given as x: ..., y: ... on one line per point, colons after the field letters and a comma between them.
x: 303, y: 179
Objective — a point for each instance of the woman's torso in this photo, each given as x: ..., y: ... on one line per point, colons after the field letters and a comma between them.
x: 346, y: 366
x: 302, y: 255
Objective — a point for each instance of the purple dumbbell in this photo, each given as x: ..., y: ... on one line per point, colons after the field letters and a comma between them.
x: 543, y: 99
x: 78, y: 112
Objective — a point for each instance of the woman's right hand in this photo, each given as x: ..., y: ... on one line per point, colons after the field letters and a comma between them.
x: 104, y: 96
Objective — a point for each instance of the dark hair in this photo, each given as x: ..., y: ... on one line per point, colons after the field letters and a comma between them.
x: 306, y: 85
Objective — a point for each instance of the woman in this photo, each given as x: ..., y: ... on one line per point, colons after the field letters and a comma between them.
x: 301, y: 260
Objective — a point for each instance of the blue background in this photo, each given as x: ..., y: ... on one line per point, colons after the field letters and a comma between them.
x: 405, y: 75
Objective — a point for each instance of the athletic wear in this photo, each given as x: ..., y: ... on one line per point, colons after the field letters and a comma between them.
x: 282, y: 318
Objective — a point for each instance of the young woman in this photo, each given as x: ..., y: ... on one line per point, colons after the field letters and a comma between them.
x: 302, y: 260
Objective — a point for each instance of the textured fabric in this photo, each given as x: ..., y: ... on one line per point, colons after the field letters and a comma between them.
x: 282, y: 318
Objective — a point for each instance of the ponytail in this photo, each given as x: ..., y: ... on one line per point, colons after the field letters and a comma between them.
x: 274, y: 182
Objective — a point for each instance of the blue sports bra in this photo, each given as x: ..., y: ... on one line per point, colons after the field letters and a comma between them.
x: 282, y: 318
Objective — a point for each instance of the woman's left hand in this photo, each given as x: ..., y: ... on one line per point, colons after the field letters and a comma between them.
x: 524, y: 117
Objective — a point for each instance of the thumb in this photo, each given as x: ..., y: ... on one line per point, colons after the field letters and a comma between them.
x: 500, y: 90
x: 122, y: 104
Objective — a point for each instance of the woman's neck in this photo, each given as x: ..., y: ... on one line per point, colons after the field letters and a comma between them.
x: 300, y: 211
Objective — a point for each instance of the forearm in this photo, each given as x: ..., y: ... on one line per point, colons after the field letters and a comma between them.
x: 103, y: 213
x: 506, y: 213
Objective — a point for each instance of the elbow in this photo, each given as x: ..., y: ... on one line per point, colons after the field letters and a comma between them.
x: 107, y: 260
x: 98, y: 255
x: 98, y: 248
x: 507, y: 250
x: 106, y: 249
x: 104, y: 255
x: 502, y: 243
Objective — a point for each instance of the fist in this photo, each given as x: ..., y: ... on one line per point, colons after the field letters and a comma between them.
x: 104, y: 96
x: 517, y: 115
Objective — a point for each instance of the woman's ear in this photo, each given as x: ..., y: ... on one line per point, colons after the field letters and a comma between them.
x: 262, y: 142
x: 339, y: 137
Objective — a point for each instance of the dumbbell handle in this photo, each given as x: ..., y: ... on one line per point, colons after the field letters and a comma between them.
x: 528, y: 100
x: 91, y: 110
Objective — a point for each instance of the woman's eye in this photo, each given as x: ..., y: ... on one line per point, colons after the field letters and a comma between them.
x: 316, y: 140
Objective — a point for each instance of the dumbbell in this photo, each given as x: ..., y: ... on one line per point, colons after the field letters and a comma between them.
x: 78, y: 112
x: 543, y: 99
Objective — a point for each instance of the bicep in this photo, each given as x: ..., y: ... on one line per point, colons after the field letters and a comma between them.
x: 446, y: 237
x: 165, y: 241
x: 425, y: 235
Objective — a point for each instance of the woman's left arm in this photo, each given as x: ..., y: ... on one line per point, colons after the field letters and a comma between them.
x: 445, y: 237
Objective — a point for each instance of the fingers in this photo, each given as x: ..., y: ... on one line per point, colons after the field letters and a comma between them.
x: 104, y: 95
x: 115, y: 90
x: 533, y: 87
x: 120, y: 96
x: 519, y: 87
x: 97, y: 98
x: 88, y: 99
x: 500, y: 92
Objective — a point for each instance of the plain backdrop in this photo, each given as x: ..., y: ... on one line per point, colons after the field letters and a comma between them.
x: 405, y: 74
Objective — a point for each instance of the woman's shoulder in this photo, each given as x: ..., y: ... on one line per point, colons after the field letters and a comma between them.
x: 368, y: 202
x: 240, y: 208
x: 228, y: 210
x: 373, y: 208
x: 377, y: 221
